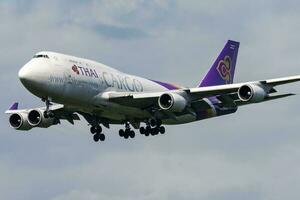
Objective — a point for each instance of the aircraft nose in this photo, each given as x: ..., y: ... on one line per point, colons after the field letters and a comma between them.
x: 32, y: 76
x: 25, y: 75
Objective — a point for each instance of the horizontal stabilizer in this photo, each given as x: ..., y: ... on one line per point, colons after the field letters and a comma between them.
x: 14, y: 106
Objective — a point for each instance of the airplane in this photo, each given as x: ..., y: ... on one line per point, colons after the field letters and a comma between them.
x: 103, y: 96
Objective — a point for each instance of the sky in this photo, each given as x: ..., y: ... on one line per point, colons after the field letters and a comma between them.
x: 253, y: 154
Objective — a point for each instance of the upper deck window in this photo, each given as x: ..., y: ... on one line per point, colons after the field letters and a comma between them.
x: 40, y: 56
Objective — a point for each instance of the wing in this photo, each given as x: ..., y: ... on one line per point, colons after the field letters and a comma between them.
x: 59, y: 110
x: 225, y: 94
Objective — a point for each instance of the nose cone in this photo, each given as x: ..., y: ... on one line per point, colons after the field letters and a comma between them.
x: 25, y: 75
x: 32, y: 77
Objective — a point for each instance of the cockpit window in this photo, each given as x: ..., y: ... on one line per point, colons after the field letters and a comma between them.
x: 40, y: 56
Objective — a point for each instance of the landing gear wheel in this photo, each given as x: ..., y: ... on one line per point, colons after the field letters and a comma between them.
x: 132, y: 134
x: 142, y: 130
x: 127, y: 133
x: 102, y: 137
x: 147, y: 133
x: 148, y: 129
x: 96, y: 137
x: 162, y: 130
x: 153, y: 122
x: 126, y: 136
x: 51, y: 114
x: 93, y: 130
x: 121, y: 133
x: 98, y: 129
x: 46, y: 114
x: 154, y: 131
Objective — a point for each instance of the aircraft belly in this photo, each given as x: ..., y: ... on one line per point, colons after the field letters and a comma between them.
x: 182, y: 119
x: 118, y: 112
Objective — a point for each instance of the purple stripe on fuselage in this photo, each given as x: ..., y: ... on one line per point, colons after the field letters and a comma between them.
x: 169, y: 86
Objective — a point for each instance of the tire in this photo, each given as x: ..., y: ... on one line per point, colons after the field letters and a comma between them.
x: 102, y: 137
x: 98, y: 129
x: 51, y: 114
x: 46, y: 114
x: 127, y: 132
x: 96, y: 137
x: 154, y: 131
x: 93, y: 130
x: 132, y: 134
x: 162, y: 130
x: 152, y: 122
x: 142, y: 130
x: 148, y: 129
x: 121, y: 133
x: 126, y: 136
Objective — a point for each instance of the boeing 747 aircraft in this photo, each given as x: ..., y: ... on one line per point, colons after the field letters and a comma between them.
x: 72, y: 86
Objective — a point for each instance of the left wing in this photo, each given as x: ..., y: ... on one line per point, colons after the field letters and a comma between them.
x: 26, y: 119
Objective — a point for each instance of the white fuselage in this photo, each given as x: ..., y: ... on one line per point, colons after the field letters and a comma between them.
x: 103, y: 95
x: 83, y: 84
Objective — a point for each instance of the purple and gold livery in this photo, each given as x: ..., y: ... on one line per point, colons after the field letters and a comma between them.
x: 222, y: 71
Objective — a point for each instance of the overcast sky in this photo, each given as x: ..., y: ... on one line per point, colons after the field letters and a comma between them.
x: 253, y: 154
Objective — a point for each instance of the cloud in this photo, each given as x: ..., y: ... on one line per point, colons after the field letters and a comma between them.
x: 116, y: 32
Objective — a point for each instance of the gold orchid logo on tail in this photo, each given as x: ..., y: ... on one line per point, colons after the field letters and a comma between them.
x: 223, y: 68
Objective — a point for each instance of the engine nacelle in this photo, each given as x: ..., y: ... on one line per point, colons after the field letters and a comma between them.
x: 172, y: 102
x: 19, y: 121
x: 252, y: 93
x: 37, y: 119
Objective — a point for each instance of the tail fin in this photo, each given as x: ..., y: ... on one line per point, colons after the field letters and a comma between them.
x: 222, y: 71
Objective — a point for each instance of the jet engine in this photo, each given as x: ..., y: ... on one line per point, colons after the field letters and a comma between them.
x: 252, y: 93
x: 37, y: 119
x: 19, y: 121
x: 172, y: 102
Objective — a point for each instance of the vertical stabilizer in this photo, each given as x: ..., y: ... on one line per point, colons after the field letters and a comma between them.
x: 222, y: 71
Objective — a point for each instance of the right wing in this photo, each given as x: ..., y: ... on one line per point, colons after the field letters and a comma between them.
x: 224, y: 93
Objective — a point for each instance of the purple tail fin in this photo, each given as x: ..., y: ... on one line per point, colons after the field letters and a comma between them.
x: 222, y: 71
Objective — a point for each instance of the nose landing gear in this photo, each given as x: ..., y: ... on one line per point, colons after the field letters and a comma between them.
x: 48, y: 113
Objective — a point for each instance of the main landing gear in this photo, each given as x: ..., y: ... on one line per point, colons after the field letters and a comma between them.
x: 97, y: 132
x: 153, y: 127
x: 127, y: 132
